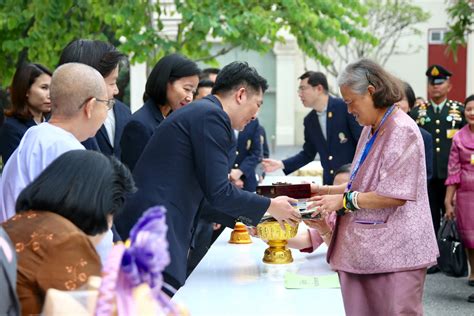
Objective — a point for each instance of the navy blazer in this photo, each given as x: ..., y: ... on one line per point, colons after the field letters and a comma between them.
x: 249, y: 154
x: 428, y: 141
x: 138, y: 131
x: 11, y: 134
x: 100, y: 142
x: 122, y: 116
x: 187, y: 160
x: 264, y: 141
x: 342, y: 132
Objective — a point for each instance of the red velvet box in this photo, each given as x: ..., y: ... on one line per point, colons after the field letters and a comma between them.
x: 296, y: 191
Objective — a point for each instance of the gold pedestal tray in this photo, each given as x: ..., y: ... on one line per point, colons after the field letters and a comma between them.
x: 278, y: 252
x: 240, y: 235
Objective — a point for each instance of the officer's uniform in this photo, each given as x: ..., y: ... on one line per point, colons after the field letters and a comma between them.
x: 442, y: 125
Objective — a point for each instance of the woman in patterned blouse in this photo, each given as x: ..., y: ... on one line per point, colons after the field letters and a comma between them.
x: 60, y: 217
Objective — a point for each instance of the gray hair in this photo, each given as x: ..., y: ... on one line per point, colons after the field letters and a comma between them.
x: 363, y: 73
x: 71, y: 85
x: 355, y: 78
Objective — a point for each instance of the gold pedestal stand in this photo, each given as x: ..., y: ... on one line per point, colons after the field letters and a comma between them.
x: 278, y: 252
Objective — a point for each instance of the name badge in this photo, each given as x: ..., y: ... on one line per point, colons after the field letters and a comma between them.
x: 472, y: 159
x: 450, y: 132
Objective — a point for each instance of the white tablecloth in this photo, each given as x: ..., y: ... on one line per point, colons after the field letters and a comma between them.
x: 233, y: 280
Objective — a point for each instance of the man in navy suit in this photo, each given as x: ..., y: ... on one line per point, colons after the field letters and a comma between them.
x: 199, y: 139
x: 248, y: 155
x: 106, y: 59
x: 328, y: 130
x: 109, y: 135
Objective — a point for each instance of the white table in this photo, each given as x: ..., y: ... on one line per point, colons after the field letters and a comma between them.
x: 233, y: 280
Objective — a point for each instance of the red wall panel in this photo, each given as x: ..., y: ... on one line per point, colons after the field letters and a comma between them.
x: 437, y: 55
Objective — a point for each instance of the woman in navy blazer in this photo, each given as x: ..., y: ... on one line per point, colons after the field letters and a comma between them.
x: 406, y: 104
x: 29, y: 102
x: 170, y: 86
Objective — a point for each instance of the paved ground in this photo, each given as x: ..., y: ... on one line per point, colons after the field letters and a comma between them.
x: 443, y: 295
x: 447, y: 296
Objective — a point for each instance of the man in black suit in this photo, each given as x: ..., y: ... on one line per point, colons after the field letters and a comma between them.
x: 199, y: 139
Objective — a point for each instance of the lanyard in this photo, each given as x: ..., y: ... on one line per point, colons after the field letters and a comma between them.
x: 367, y: 148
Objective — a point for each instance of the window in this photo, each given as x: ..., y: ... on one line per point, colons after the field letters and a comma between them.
x: 436, y: 36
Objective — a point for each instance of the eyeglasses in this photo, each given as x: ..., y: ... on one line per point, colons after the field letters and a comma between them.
x: 303, y: 88
x: 109, y: 103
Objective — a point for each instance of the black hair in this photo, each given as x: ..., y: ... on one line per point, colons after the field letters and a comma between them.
x: 204, y: 83
x: 167, y: 70
x: 469, y: 99
x: 102, y: 56
x: 409, y: 95
x: 343, y: 169
x: 81, y: 185
x: 316, y: 78
x: 205, y: 73
x: 23, y: 79
x: 237, y: 74
x: 209, y: 71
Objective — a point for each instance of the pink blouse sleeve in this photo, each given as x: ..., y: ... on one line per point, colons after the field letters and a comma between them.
x: 316, y: 239
x: 454, y: 164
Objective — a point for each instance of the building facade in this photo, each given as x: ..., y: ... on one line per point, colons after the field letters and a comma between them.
x: 282, y: 114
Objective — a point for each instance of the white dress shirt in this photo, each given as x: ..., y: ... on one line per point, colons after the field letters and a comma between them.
x: 322, y: 118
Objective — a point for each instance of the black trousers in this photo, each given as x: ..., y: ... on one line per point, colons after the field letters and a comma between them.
x: 202, y: 243
x: 436, y: 193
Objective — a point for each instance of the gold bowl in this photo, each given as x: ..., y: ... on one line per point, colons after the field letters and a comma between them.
x: 277, y: 252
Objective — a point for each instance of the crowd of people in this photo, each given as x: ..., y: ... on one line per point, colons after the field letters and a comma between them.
x: 392, y: 166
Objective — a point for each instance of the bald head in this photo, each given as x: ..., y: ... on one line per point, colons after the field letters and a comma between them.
x: 71, y: 85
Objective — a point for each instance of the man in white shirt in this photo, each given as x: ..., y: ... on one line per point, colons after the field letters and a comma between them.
x: 79, y: 107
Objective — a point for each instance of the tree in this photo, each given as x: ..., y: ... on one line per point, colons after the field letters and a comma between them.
x: 389, y: 21
x: 37, y: 30
x: 461, y: 15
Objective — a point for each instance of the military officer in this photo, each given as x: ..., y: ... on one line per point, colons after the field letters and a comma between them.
x: 442, y: 118
x: 328, y: 130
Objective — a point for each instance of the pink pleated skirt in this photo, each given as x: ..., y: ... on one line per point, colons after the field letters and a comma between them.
x: 396, y: 293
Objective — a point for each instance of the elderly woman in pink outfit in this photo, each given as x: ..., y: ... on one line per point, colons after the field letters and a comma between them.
x: 383, y: 239
x: 460, y: 184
